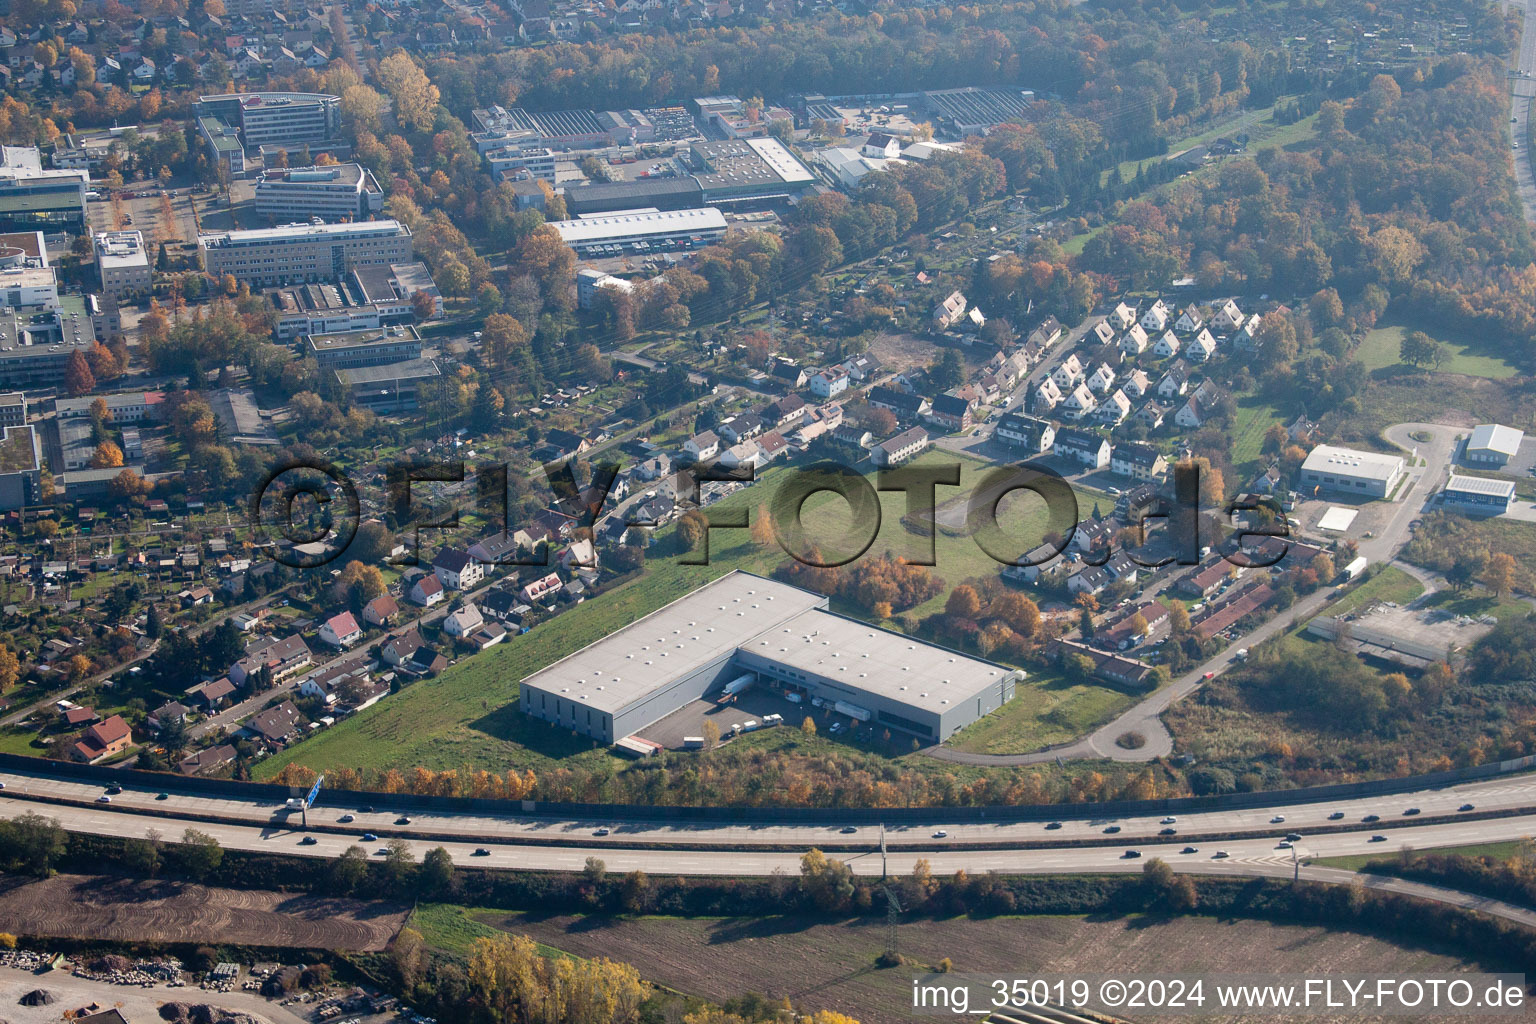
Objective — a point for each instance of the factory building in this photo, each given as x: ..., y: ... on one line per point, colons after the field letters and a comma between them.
x: 743, y: 624
x: 641, y: 230
x: 1347, y: 471
x: 1479, y: 495
x: 1492, y: 444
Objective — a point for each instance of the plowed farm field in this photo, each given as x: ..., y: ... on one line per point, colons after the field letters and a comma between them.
x: 139, y: 910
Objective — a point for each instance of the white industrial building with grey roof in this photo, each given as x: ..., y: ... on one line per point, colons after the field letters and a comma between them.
x: 745, y: 625
x: 1348, y: 471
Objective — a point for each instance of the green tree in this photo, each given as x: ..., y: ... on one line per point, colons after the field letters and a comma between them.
x: 350, y: 869
x: 200, y: 854
x: 33, y: 843
x: 437, y: 871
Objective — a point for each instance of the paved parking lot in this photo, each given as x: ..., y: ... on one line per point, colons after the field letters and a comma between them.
x: 756, y: 703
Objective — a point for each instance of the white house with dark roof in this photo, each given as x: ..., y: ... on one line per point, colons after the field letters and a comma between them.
x: 458, y: 570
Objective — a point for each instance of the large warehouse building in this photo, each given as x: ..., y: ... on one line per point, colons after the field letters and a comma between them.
x: 743, y: 624
x: 1345, y: 470
x: 641, y: 229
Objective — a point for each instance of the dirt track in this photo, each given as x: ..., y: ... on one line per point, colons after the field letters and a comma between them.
x: 129, y: 910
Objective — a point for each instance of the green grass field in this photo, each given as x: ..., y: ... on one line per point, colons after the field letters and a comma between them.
x: 1380, y: 348
x: 1254, y: 417
x: 1388, y: 584
x: 452, y: 928
x: 1498, y: 851
x: 1047, y: 709
x: 467, y: 716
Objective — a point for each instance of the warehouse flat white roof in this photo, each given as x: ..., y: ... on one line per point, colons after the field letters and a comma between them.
x: 1495, y: 437
x: 1480, y: 485
x: 627, y: 223
x: 712, y: 622
x: 784, y: 163
x: 1325, y: 458
x: 847, y: 652
x: 750, y: 614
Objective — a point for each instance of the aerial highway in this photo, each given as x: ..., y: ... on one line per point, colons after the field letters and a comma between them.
x: 1484, y: 811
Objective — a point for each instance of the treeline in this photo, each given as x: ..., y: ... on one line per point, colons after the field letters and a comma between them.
x: 798, y: 771
x: 1512, y: 879
x: 1406, y: 198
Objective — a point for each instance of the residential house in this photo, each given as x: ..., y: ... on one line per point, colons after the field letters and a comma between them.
x: 1200, y: 406
x: 578, y: 554
x: 788, y: 374
x: 1151, y: 414
x: 1248, y: 334
x: 205, y: 761
x: 951, y: 412
x: 830, y: 382
x: 285, y: 658
x: 903, y: 406
x: 1135, y: 383
x: 701, y: 446
x: 1201, y: 347
x: 327, y: 683
x: 1113, y: 410
x: 1201, y: 581
x: 170, y: 713
x: 1123, y: 317
x: 881, y: 146
x: 904, y: 447
x: 1105, y: 332
x: 1138, y: 461
x: 195, y: 596
x: 1134, y: 341
x: 1028, y: 433
x: 1228, y: 317
x: 741, y: 428
x: 1036, y: 563
x: 745, y: 454
x: 1047, y: 334
x: 463, y: 621
x: 427, y: 591
x: 211, y: 694
x: 341, y: 630
x: 276, y: 725
x: 1166, y: 346
x: 653, y: 468
x: 488, y: 635
x: 102, y: 740
x: 1047, y: 396
x: 1175, y: 382
x: 952, y: 308
x: 1069, y: 373
x: 1156, y: 317
x: 1101, y: 379
x: 1190, y: 320
x: 1081, y: 446
x: 544, y: 587
x: 1090, y: 579
x: 567, y: 444
x: 772, y: 445
x: 1079, y: 403
x: 862, y: 368
x: 785, y: 411
x: 458, y: 570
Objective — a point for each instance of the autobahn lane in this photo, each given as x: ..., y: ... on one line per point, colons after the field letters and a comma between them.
x: 1257, y: 857
x: 1508, y: 795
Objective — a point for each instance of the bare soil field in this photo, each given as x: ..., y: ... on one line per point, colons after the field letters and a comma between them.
x: 832, y: 965
x: 137, y: 910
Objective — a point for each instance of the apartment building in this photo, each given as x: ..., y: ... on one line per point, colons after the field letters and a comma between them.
x: 282, y: 118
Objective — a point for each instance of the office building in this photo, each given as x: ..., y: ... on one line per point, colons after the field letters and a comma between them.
x: 125, y: 407
x: 124, y: 265
x: 1366, y: 474
x: 335, y: 192
x: 35, y: 199
x: 588, y: 281
x: 304, y: 252
x: 348, y: 349
x: 538, y: 161
x: 21, y: 465
x: 282, y: 118
x: 389, y: 388
x: 743, y: 624
x: 1479, y: 495
x: 13, y: 409
x: 641, y: 230
x: 222, y: 141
